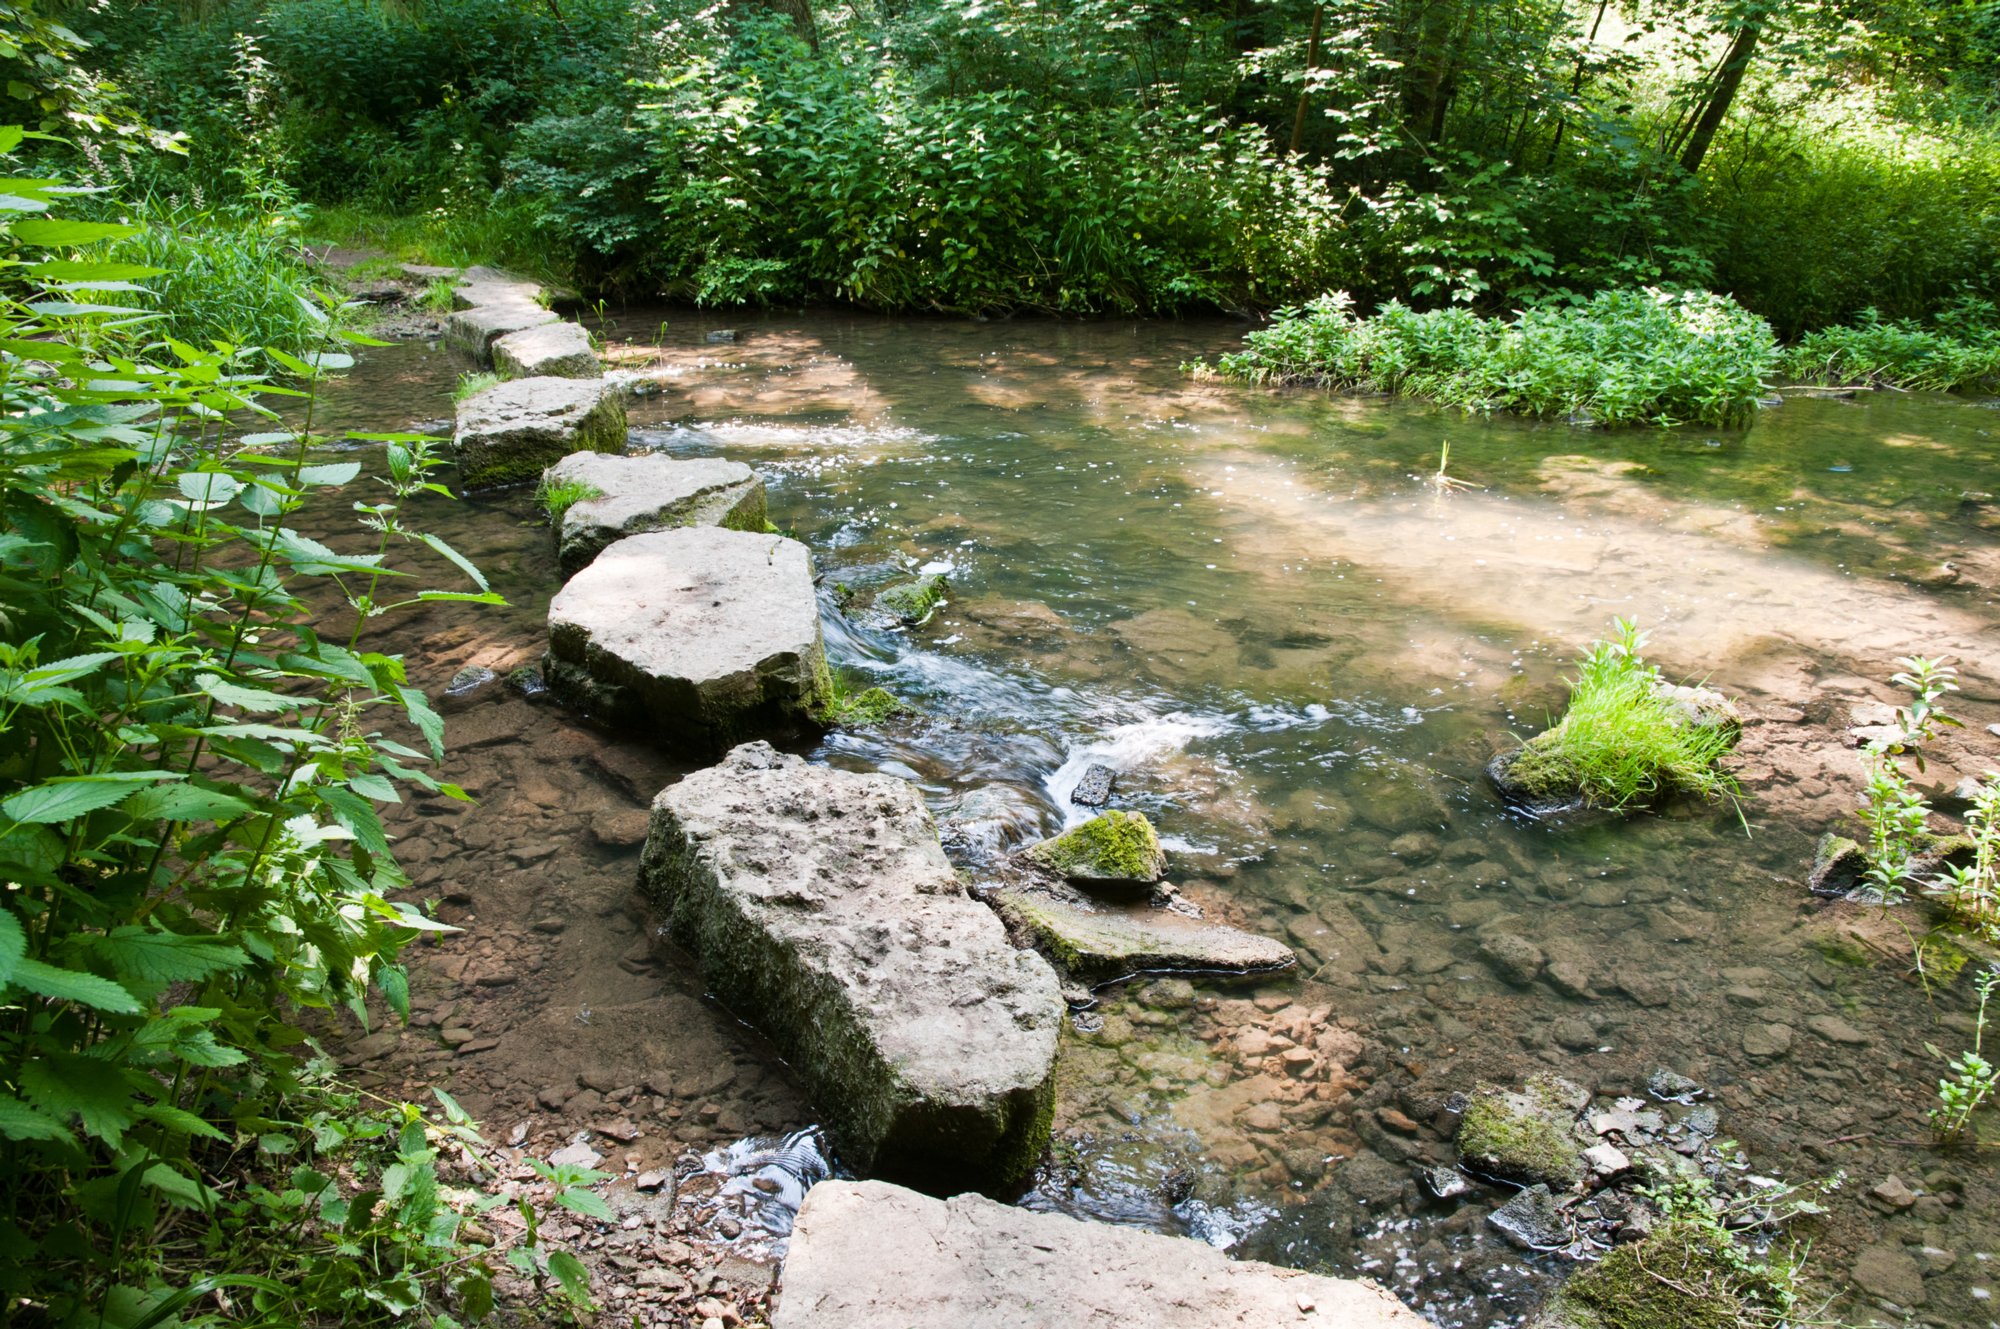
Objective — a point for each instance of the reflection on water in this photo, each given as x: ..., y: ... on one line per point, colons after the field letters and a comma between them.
x: 1297, y: 655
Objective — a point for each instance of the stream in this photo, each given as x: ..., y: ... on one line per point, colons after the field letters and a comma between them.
x: 1297, y: 649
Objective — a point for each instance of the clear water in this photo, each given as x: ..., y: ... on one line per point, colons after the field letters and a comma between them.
x: 1298, y: 650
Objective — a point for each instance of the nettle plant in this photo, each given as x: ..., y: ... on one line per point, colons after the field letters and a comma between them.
x: 195, y: 738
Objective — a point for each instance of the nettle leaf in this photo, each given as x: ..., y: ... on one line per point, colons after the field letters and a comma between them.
x: 394, y: 983
x: 210, y: 489
x: 179, y: 1187
x: 178, y: 1119
x: 358, y: 816
x: 53, y: 233
x: 45, y: 980
x: 427, y: 721
x: 159, y: 957
x: 375, y: 787
x: 463, y: 563
x: 569, y: 1271
x: 95, y: 1092
x: 13, y: 944
x: 329, y: 476
x: 64, y: 798
x: 24, y: 1121
x: 588, y: 1203
x: 187, y: 802
x: 247, y: 698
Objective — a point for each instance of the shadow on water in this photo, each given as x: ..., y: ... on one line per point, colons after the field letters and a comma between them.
x: 1298, y: 654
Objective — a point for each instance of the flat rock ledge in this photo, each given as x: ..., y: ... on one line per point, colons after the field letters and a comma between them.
x: 511, y: 432
x: 650, y: 492
x: 473, y: 331
x: 822, y: 909
x: 865, y: 1255
x: 547, y: 350
x: 1095, y: 942
x: 700, y: 637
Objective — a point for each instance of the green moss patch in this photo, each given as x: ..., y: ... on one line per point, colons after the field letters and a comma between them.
x: 1115, y: 846
x: 913, y: 602
x: 1682, y: 1277
x: 1525, y: 1137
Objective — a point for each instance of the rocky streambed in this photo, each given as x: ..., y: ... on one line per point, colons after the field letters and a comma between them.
x: 1307, y: 735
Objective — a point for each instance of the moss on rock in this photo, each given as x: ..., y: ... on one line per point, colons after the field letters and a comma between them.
x: 1112, y: 848
x: 1681, y: 1277
x: 1526, y: 1137
x: 912, y: 602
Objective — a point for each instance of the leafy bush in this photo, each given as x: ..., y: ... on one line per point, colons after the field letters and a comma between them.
x: 1622, y: 357
x: 194, y: 741
x: 1621, y: 742
x: 1960, y: 350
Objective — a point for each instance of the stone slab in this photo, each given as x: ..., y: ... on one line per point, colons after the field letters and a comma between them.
x: 865, y: 1255
x: 823, y: 911
x: 547, y: 350
x: 699, y: 637
x: 474, y: 331
x: 513, y: 431
x: 648, y: 491
x: 1098, y: 942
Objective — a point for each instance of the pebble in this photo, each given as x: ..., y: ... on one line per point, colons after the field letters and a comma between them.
x: 1396, y: 1121
x: 1889, y: 1273
x: 1514, y: 957
x: 1767, y: 1041
x: 1607, y: 1160
x: 1575, y: 1034
x: 1836, y: 1030
x: 1893, y: 1194
x: 579, y: 1154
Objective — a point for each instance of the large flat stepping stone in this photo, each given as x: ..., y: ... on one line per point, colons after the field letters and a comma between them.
x: 548, y: 350
x: 480, y: 285
x: 474, y: 331
x: 515, y: 430
x: 823, y: 910
x: 865, y: 1255
x: 1096, y: 942
x: 650, y: 492
x: 700, y: 637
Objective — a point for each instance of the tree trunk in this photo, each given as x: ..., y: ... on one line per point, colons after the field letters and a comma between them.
x: 1305, y: 90
x: 1727, y: 80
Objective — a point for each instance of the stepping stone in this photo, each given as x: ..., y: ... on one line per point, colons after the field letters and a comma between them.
x: 513, y: 431
x: 700, y: 637
x: 651, y: 492
x: 548, y: 350
x: 481, y: 285
x: 866, y: 1255
x: 823, y: 911
x: 1117, y: 851
x: 1099, y: 943
x: 474, y: 331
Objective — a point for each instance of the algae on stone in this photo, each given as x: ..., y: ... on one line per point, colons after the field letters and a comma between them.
x: 1683, y: 1276
x: 1528, y: 1136
x: 912, y: 602
x: 1112, y: 848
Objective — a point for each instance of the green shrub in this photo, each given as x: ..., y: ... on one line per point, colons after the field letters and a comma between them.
x: 1960, y: 349
x: 1622, y: 357
x: 1621, y: 742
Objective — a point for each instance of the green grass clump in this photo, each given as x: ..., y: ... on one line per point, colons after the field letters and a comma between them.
x: 472, y: 384
x: 1112, y: 846
x: 557, y: 497
x: 1960, y: 350
x: 1623, y: 742
x: 1621, y: 358
x: 223, y: 277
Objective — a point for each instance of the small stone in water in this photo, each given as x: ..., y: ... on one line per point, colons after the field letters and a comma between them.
x: 1702, y: 1121
x: 1093, y: 788
x: 729, y: 1228
x: 1893, y: 1194
x: 1607, y: 1160
x: 650, y: 1181
x: 579, y: 1154
x: 1532, y: 1220
x: 1671, y: 1085
x: 1766, y: 1041
x: 470, y: 679
x: 1443, y: 1183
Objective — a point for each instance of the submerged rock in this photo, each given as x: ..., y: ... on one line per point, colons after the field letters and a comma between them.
x: 1533, y: 1220
x: 911, y: 603
x: 1111, y: 849
x: 510, y: 432
x: 548, y: 350
x: 1096, y: 943
x: 474, y: 331
x: 1527, y: 1137
x: 865, y: 1256
x: 822, y: 909
x: 699, y: 636
x: 650, y: 492
x: 1839, y: 864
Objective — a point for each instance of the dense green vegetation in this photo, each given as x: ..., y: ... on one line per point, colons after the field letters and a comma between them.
x: 1620, y: 357
x: 1812, y: 160
x: 196, y: 733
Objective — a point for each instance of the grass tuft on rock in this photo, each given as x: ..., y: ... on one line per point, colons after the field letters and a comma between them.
x: 1627, y: 736
x: 557, y: 497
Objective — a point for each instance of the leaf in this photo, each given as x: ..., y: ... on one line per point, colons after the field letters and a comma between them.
x: 586, y: 1202
x: 247, y: 698
x: 187, y: 802
x: 394, y: 983
x: 464, y: 564
x: 46, y: 980
x: 355, y: 813
x: 427, y: 721
x: 64, y: 798
x: 159, y: 957
x: 569, y: 1271
x: 209, y: 488
x: 330, y: 476
x: 23, y: 1121
x: 95, y: 1092
x: 53, y: 233
x: 178, y: 1119
x: 375, y: 787
x: 177, y: 1186
x: 13, y: 944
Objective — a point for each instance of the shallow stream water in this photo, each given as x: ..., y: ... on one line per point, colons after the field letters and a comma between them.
x: 1298, y: 649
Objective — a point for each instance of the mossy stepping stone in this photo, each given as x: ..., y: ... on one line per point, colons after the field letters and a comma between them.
x: 1117, y: 849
